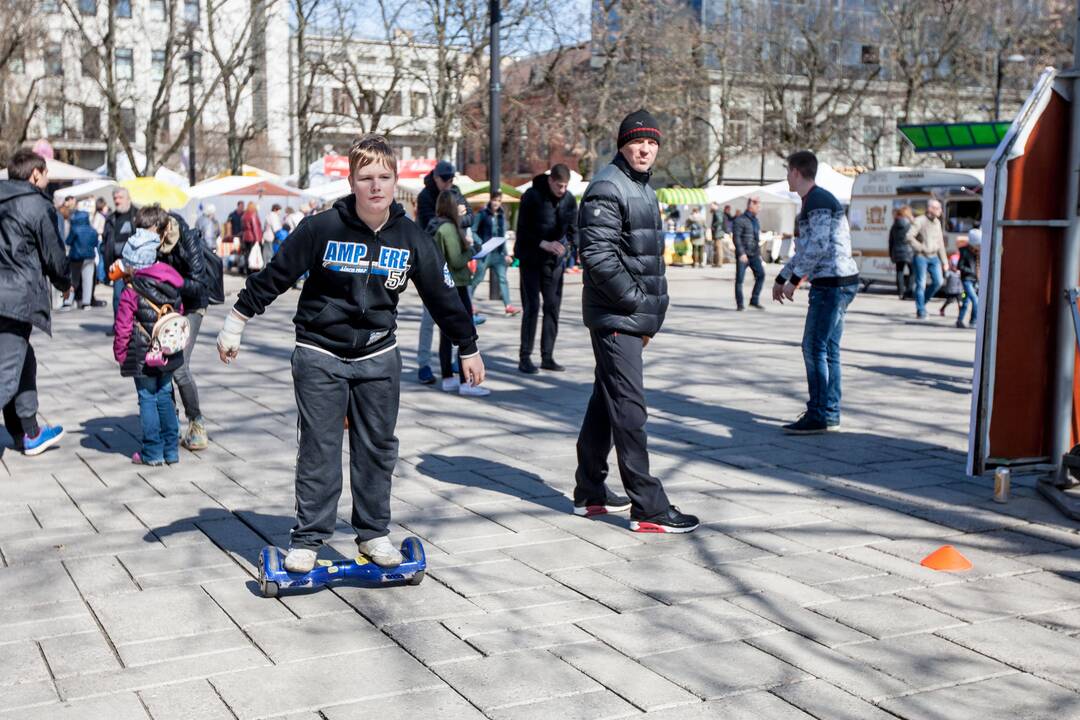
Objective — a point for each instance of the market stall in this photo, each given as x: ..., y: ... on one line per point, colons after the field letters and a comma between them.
x: 678, y: 204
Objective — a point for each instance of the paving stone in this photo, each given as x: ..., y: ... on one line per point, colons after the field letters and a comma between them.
x: 816, y: 568
x: 1012, y: 696
x: 603, y: 589
x: 431, y: 643
x: 185, y: 701
x: 36, y: 550
x: 515, y: 679
x: 39, y: 584
x: 822, y: 700
x: 122, y: 706
x: 529, y: 598
x: 143, y: 564
x: 986, y: 564
x: 722, y: 669
x: 21, y: 663
x: 16, y: 700
x: 86, y: 652
x: 440, y: 704
x: 590, y: 706
x: 178, y: 648
x: 315, y: 604
x: 549, y: 636
x: 482, y: 579
x: 666, y: 629
x: 244, y: 606
x: 670, y: 580
x: 100, y: 576
x: 528, y: 617
x: 751, y: 579
x: 159, y: 614
x: 627, y: 678
x: 749, y: 706
x: 992, y: 598
x: 886, y: 616
x: 1064, y: 621
x: 1023, y: 645
x: 38, y: 622
x: 492, y: 543
x: 386, y: 672
x: 302, y: 639
x: 794, y: 617
x: 393, y: 605
x: 873, y: 557
x: 926, y: 662
x: 550, y: 557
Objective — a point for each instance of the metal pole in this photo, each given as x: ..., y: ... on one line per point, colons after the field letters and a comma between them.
x: 1068, y: 277
x: 998, y: 78
x: 191, y: 104
x: 494, y: 123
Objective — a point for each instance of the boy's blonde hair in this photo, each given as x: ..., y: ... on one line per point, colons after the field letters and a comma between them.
x: 371, y: 149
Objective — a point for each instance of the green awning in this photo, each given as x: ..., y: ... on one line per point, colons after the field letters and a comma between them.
x: 946, y: 137
x: 682, y: 196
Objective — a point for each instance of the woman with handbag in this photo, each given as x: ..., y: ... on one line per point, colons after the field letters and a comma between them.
x: 251, y: 236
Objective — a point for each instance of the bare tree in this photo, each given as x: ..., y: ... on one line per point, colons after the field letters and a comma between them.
x: 305, y: 67
x: 20, y: 33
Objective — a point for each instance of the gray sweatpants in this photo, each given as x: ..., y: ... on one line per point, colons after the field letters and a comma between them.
x: 185, y: 381
x: 326, y: 390
x: 18, y: 378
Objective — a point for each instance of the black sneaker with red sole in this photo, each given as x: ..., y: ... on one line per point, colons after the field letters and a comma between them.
x: 671, y: 520
x: 613, y: 504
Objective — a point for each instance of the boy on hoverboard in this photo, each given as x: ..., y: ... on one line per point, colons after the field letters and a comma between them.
x: 360, y: 256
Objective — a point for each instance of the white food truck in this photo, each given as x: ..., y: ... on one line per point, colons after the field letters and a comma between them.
x: 877, y: 194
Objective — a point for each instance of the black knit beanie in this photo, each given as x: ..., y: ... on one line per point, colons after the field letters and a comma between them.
x: 639, y: 124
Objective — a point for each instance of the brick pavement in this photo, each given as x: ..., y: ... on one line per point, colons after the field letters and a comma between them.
x: 128, y: 592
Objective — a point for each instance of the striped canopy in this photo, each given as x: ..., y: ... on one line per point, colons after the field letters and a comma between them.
x: 682, y: 196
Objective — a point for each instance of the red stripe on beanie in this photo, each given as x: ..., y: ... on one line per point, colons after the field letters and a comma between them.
x: 650, y: 130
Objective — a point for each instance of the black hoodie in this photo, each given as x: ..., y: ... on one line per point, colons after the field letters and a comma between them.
x: 348, y: 306
x: 542, y: 216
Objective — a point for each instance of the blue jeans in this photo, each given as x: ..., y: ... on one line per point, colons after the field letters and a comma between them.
x: 157, y: 413
x: 971, y: 295
x: 922, y: 294
x: 423, y: 344
x: 821, y: 349
x: 498, y: 264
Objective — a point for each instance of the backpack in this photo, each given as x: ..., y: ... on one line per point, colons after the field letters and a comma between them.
x: 168, y: 336
x: 213, y: 275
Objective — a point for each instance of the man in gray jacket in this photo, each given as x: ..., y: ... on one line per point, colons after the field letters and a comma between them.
x: 928, y: 241
x: 31, y: 256
x: 624, y: 301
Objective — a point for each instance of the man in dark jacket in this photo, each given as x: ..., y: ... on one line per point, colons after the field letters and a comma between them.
x: 545, y: 230
x: 31, y: 256
x: 119, y: 226
x: 746, y: 234
x: 439, y: 179
x: 624, y: 301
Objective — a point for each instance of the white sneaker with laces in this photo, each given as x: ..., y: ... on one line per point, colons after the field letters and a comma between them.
x: 381, y: 551
x: 470, y: 390
x: 450, y: 384
x: 300, y: 560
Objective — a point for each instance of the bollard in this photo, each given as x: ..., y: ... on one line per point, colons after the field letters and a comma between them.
x: 1002, y: 480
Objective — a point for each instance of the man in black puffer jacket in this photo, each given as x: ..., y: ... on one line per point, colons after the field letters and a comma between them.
x: 623, y: 302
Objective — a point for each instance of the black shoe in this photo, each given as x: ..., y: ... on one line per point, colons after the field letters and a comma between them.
x: 671, y: 520
x: 110, y: 332
x: 550, y: 364
x: 613, y: 504
x: 832, y: 425
x: 757, y: 306
x: 805, y: 426
x: 98, y: 303
x: 740, y: 308
x: 526, y: 366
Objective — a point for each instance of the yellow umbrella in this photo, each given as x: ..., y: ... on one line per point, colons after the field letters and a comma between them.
x: 148, y: 191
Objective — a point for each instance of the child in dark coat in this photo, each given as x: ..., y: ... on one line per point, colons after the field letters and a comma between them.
x: 152, y: 286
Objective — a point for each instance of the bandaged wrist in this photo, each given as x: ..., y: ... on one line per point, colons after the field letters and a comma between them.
x: 232, y: 330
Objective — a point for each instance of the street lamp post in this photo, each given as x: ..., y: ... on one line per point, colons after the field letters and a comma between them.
x: 999, y: 78
x: 494, y: 129
x: 190, y: 56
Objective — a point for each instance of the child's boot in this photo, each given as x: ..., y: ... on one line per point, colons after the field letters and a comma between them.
x: 196, y: 438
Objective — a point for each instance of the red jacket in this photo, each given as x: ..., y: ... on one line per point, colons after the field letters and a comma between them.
x: 253, y: 231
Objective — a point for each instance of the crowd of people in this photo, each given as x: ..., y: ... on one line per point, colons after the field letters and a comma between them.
x: 357, y: 258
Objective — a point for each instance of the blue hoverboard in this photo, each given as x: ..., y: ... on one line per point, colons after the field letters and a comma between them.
x: 273, y: 577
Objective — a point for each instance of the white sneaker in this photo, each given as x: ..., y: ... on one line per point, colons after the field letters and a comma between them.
x: 300, y: 560
x: 450, y: 384
x: 381, y: 551
x: 470, y: 390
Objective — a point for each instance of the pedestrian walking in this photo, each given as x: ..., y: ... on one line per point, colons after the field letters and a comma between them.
x: 31, y: 259
x: 746, y: 230
x: 624, y: 301
x: 695, y: 225
x: 440, y: 178
x: 968, y: 265
x: 251, y: 236
x: 273, y: 233
x: 900, y: 251
x: 490, y: 223
x: 928, y: 244
x: 119, y: 226
x: 344, y: 368
x: 152, y: 290
x: 547, y: 220
x: 82, y: 244
x: 823, y: 256
x: 209, y: 227
x: 65, y: 208
x: 716, y: 230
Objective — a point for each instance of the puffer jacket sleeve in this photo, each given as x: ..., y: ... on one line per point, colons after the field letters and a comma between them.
x: 52, y: 251
x: 124, y: 325
x: 194, y: 292
x: 600, y: 229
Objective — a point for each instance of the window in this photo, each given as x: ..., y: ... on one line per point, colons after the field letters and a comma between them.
x: 393, y: 103
x: 962, y: 215
x: 523, y: 149
x: 54, y: 60
x: 196, y: 66
x: 127, y: 123
x: 123, y: 8
x: 157, y: 9
x: 125, y: 64
x: 870, y: 55
x: 88, y: 7
x: 157, y: 64
x: 418, y: 102
x: 91, y: 123
x: 90, y: 63
x: 342, y: 103
x: 54, y: 120
x: 191, y: 11
x: 50, y: 6
x: 316, y: 100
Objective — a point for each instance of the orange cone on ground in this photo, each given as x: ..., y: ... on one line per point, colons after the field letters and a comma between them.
x: 946, y: 559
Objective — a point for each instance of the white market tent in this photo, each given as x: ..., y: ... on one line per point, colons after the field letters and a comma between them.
x: 92, y: 189
x: 62, y: 172
x: 839, y: 185
x: 407, y: 190
x: 778, y: 210
x: 124, y: 171
x: 576, y: 187
x: 224, y: 193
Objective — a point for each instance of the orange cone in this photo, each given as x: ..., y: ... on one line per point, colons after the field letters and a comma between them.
x: 946, y: 559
